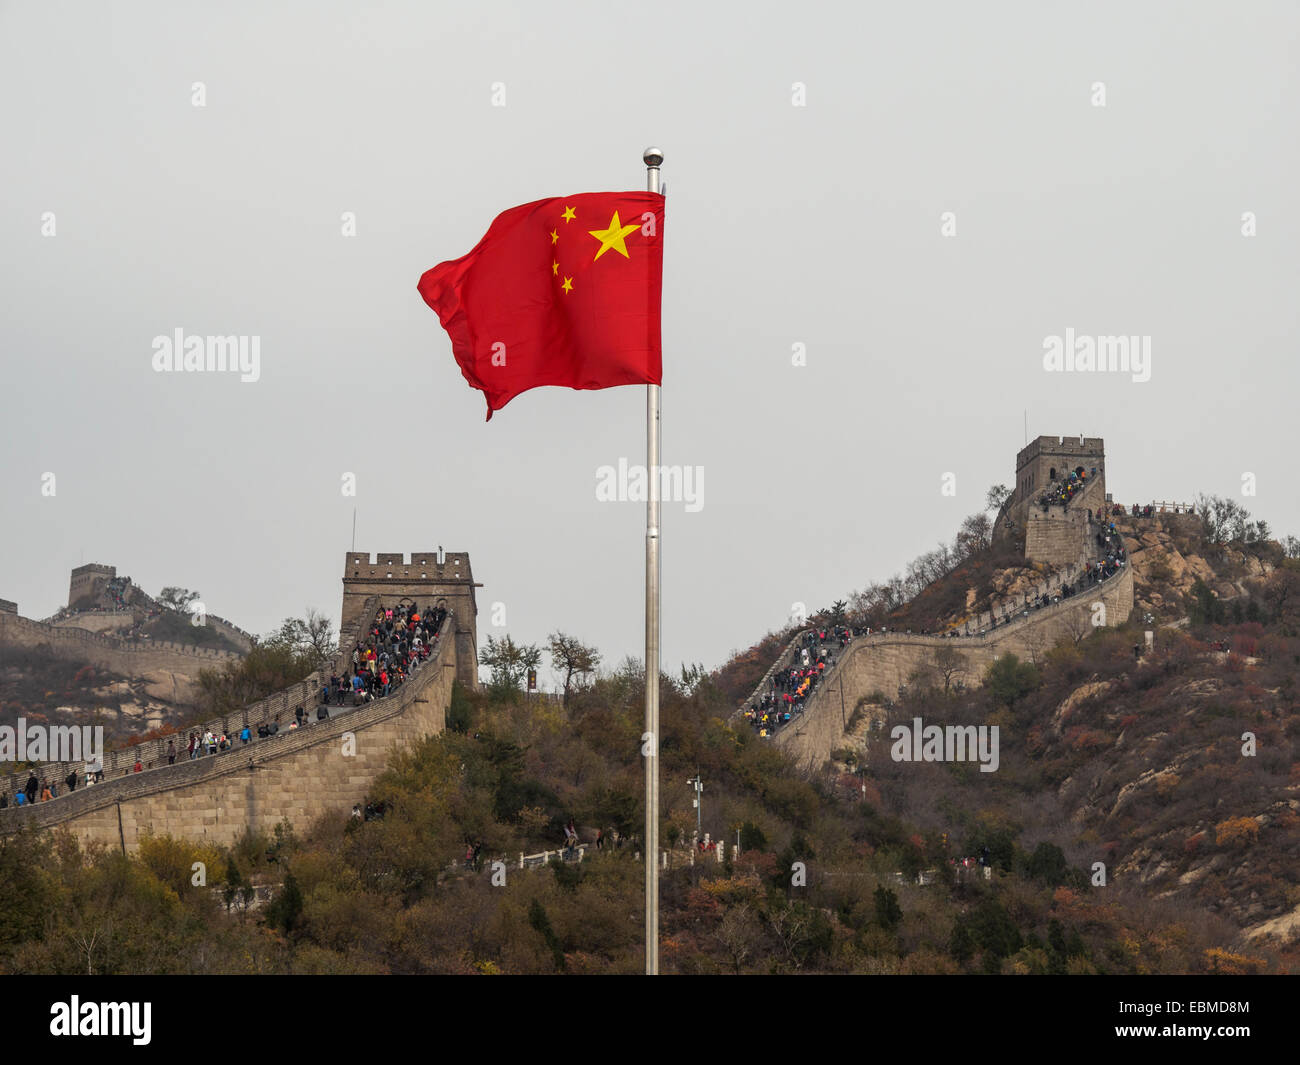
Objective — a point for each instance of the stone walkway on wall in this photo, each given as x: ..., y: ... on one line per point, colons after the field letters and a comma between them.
x: 1010, y: 626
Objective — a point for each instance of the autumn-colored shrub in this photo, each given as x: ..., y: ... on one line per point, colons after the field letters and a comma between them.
x: 1221, y: 961
x: 1244, y: 645
x: 1236, y: 832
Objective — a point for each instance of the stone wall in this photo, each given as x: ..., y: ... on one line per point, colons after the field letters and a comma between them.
x: 128, y: 657
x: 1060, y: 536
x: 297, y: 776
x: 8, y: 606
x: 883, y: 662
x: 1054, y: 536
x: 97, y: 620
x: 239, y: 637
x: 278, y: 706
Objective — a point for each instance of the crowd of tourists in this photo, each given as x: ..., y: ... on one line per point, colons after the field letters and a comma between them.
x: 398, y: 641
x: 790, y: 687
x: 42, y: 790
x: 1110, y: 556
x: 35, y: 791
x: 1059, y: 493
x: 1110, y: 559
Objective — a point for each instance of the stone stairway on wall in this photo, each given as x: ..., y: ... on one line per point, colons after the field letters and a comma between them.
x: 783, y: 661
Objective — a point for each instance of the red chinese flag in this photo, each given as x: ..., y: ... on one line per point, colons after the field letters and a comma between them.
x: 559, y: 292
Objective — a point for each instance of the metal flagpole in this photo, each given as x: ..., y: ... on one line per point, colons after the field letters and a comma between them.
x: 652, y: 157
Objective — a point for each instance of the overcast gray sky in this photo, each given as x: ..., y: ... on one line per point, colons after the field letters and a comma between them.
x: 818, y: 225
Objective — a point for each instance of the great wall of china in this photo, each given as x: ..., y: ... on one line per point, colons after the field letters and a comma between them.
x: 1059, y: 536
x: 882, y: 662
x: 328, y: 766
x: 295, y: 775
x: 127, y: 657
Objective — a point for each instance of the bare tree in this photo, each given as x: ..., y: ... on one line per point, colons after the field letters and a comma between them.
x: 740, y: 935
x: 997, y: 497
x: 85, y: 944
x: 1281, y: 593
x: 975, y: 534
x: 1226, y: 520
x: 1034, y: 641
x: 572, y: 658
x: 949, y: 663
x: 178, y: 599
x: 319, y: 634
x: 790, y: 926
x: 1077, y: 624
x: 312, y: 635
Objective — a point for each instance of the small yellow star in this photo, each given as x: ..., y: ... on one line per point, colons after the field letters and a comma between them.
x: 568, y: 284
x: 555, y: 268
x: 554, y: 236
x: 613, y: 237
x: 568, y: 214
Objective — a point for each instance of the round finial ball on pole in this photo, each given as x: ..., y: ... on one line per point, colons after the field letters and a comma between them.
x: 653, y: 156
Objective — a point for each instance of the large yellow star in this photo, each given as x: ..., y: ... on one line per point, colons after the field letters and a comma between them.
x: 613, y: 237
x: 568, y: 284
x: 568, y: 214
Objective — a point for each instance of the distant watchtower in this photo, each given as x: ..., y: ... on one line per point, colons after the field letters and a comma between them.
x: 1056, y: 532
x: 431, y: 579
x: 87, y: 583
x: 1052, y: 458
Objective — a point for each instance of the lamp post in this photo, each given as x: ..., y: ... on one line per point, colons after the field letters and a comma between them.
x: 698, y: 784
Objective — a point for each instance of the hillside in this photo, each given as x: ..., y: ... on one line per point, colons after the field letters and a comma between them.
x: 1144, y: 816
x: 1135, y: 765
x: 59, y: 690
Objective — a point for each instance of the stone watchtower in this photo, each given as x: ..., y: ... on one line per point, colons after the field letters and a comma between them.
x: 1056, y: 534
x: 433, y: 579
x: 1048, y: 459
x: 87, y: 583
